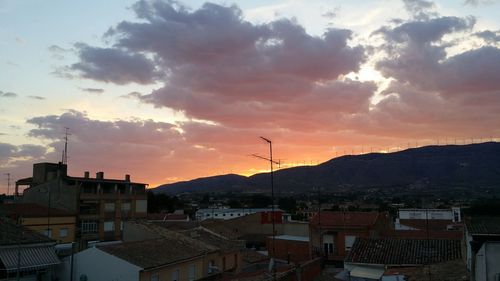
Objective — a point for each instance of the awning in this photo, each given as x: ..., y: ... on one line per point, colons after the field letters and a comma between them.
x: 28, y: 258
x: 367, y: 272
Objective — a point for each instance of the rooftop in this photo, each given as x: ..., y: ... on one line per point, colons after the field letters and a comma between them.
x: 11, y: 234
x: 156, y: 252
x: 348, y: 219
x: 401, y: 252
x: 31, y: 210
x: 483, y: 225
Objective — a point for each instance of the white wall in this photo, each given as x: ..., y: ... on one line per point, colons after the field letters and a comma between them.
x: 98, y: 265
x: 488, y: 262
x: 432, y: 214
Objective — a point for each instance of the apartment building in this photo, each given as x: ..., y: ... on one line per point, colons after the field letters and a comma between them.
x: 100, y: 205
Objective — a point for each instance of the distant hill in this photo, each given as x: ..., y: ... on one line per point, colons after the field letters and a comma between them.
x: 467, y: 166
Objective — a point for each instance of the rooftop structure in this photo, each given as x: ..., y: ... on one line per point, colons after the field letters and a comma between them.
x: 101, y: 205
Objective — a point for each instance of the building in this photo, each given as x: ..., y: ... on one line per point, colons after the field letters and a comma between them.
x: 54, y: 223
x: 228, y: 213
x: 417, y: 219
x: 487, y: 266
x: 101, y: 205
x: 293, y: 249
x: 478, y: 231
x: 152, y: 252
x: 371, y: 259
x: 25, y: 253
x: 256, y: 228
x: 332, y: 234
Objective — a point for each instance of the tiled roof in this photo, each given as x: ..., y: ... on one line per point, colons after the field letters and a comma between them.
x: 11, y: 233
x: 198, y: 236
x: 483, y: 225
x: 391, y: 251
x: 157, y: 252
x: 348, y: 219
x: 31, y: 210
x: 210, y: 238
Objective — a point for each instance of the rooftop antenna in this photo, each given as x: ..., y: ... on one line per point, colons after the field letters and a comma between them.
x: 65, y: 152
x: 271, y: 162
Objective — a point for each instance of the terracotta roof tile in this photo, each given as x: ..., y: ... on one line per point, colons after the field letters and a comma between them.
x: 156, y: 252
x: 393, y: 251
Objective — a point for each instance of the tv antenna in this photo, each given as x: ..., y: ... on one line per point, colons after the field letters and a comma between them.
x: 65, y: 151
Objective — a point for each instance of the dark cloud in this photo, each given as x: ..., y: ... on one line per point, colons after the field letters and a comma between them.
x: 114, y: 65
x: 426, y: 31
x: 10, y: 154
x: 489, y: 36
x: 419, y: 9
x: 7, y: 94
x: 93, y: 90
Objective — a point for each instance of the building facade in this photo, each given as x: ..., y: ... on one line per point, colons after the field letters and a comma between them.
x: 100, y: 205
x: 54, y: 223
x: 332, y: 234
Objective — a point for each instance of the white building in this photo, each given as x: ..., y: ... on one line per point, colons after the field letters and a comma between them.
x: 488, y: 262
x: 227, y: 213
x: 452, y: 215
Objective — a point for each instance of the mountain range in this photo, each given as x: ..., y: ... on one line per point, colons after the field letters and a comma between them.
x: 466, y: 166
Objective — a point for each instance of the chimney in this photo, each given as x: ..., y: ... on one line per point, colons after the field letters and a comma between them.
x: 99, y: 175
x: 127, y: 177
x: 86, y: 174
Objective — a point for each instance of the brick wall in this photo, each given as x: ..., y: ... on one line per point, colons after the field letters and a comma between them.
x: 294, y: 251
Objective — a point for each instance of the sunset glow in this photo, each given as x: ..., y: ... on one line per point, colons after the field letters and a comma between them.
x: 168, y: 92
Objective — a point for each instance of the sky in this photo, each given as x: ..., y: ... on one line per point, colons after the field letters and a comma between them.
x: 168, y: 91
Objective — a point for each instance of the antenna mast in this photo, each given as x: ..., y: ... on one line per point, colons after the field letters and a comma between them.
x: 65, y: 152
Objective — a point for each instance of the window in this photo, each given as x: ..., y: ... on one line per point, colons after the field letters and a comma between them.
x: 211, y: 267
x: 63, y: 232
x: 141, y: 206
x: 109, y: 207
x: 47, y: 232
x: 109, y: 225
x: 328, y: 246
x: 175, y: 275
x: 208, y: 215
x: 88, y: 226
x: 349, y: 241
x: 155, y: 277
x: 192, y: 272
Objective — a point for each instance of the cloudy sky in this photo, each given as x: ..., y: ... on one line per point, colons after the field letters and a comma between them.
x: 169, y: 91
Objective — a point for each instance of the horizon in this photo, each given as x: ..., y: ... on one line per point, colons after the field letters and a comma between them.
x: 170, y: 92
